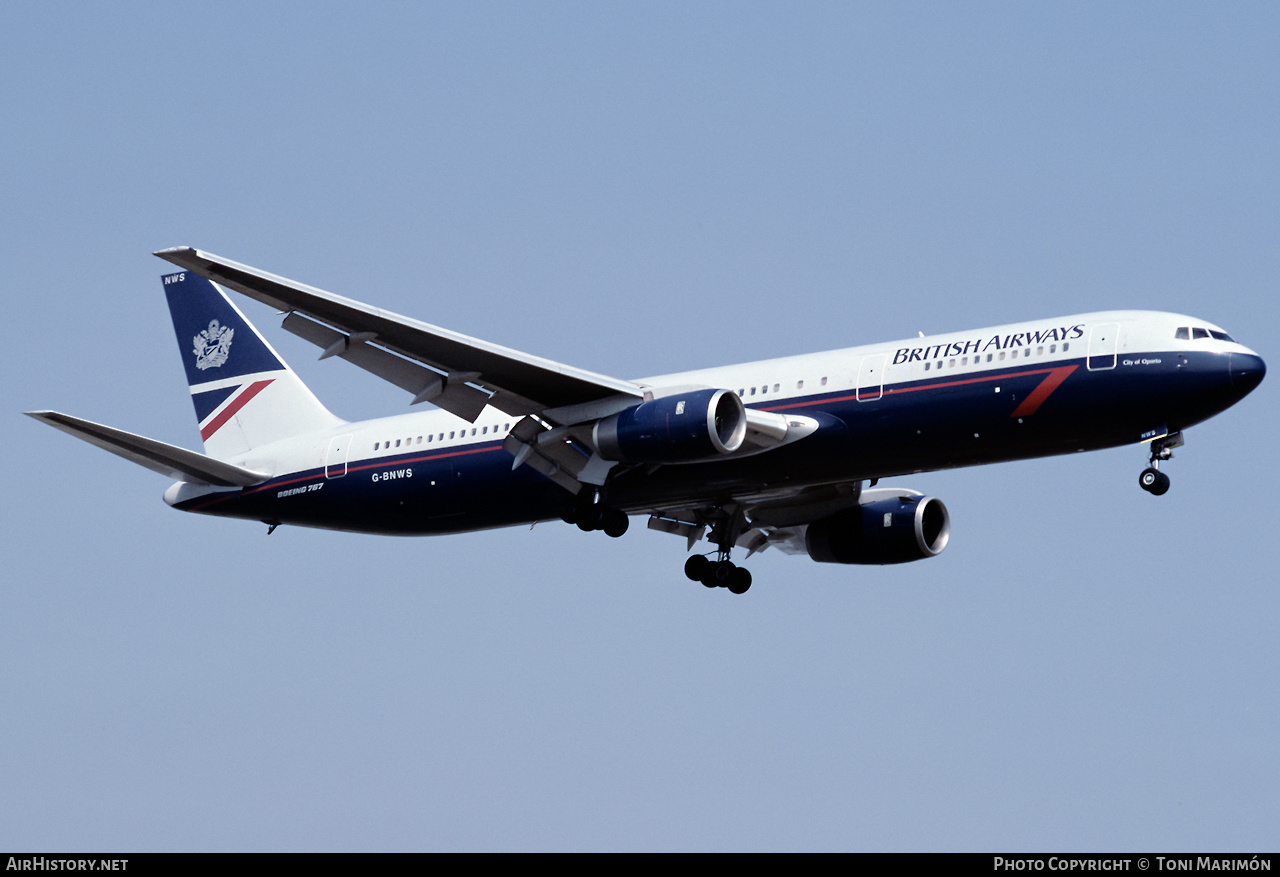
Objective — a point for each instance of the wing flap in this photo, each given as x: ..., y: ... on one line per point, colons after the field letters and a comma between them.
x: 157, y: 456
x: 548, y: 451
x: 444, y: 390
x: 523, y: 378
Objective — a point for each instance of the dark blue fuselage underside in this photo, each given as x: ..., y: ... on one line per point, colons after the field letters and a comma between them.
x: 955, y: 418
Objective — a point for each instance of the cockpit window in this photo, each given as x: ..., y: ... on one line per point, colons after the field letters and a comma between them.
x: 1186, y: 333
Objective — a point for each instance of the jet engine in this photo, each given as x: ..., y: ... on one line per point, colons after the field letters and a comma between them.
x: 906, y: 526
x: 697, y: 425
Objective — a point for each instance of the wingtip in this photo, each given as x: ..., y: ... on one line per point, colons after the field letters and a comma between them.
x: 172, y: 254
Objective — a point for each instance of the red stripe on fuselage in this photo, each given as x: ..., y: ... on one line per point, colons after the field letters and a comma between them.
x: 1039, y: 394
x: 316, y: 476
x: 1054, y: 377
x: 319, y: 475
x: 236, y: 403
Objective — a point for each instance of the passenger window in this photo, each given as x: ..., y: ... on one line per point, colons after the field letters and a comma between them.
x: 450, y: 434
x: 824, y: 382
x: 775, y: 387
x: 964, y: 360
x: 926, y: 366
x: 988, y: 357
x: 799, y: 385
x: 1040, y: 350
x: 1002, y: 356
x: 1013, y: 355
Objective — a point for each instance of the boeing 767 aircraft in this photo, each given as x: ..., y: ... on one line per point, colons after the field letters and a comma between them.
x: 783, y: 453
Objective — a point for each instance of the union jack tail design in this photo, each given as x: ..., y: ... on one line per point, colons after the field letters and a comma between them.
x: 244, y: 394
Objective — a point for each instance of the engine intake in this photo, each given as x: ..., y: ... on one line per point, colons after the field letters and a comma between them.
x: 674, y: 429
x: 893, y: 530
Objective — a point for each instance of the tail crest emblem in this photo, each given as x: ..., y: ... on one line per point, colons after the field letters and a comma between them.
x: 213, y: 345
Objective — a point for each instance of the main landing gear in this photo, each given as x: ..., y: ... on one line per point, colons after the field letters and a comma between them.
x: 593, y: 514
x: 1152, y: 480
x: 721, y: 573
x: 590, y: 511
x: 727, y: 526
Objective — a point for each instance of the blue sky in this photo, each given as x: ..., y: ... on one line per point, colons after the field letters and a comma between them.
x: 636, y: 189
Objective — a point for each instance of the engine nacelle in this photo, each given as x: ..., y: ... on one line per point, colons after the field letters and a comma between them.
x: 893, y: 530
x: 697, y: 425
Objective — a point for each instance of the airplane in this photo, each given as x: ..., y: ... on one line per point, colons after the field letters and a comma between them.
x: 783, y: 453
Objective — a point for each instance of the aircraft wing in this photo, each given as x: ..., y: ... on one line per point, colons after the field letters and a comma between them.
x: 157, y: 456
x: 448, y: 369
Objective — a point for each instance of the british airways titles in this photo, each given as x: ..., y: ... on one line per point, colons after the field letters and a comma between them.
x: 999, y: 342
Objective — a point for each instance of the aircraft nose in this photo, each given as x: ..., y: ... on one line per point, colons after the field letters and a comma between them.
x: 1247, y: 371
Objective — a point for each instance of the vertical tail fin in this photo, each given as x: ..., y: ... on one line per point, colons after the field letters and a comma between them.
x: 244, y: 393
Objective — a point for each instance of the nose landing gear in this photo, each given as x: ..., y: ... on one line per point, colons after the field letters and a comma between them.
x: 1152, y: 480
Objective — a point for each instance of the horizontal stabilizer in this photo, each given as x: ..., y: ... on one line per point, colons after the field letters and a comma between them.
x: 157, y: 456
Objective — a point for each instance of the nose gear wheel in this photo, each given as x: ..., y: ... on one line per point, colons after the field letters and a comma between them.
x: 1152, y: 480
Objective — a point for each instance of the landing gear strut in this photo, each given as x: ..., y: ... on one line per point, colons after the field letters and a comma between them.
x: 726, y: 526
x: 1152, y: 480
